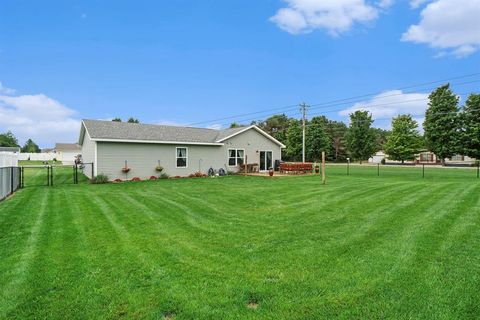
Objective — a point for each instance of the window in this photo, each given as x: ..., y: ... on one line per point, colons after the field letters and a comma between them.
x: 182, y: 157
x: 236, y: 157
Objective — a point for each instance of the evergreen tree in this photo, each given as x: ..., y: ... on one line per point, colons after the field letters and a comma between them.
x: 317, y: 139
x: 30, y: 147
x: 360, y: 137
x: 8, y: 140
x: 404, y: 142
x: 117, y: 120
x: 442, y: 135
x: 133, y: 120
x: 293, y: 144
x: 471, y: 127
x: 276, y: 126
x: 337, y: 132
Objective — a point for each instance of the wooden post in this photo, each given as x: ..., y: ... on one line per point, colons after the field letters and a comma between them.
x: 246, y: 165
x: 323, y: 168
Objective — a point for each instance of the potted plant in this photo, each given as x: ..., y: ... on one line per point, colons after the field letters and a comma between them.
x: 159, y: 168
x: 125, y: 169
x: 270, y: 171
x: 316, y: 167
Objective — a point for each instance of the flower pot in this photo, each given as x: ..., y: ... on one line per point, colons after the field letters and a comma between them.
x: 125, y: 170
x: 270, y: 173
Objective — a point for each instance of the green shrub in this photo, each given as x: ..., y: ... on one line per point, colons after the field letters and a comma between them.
x: 163, y: 176
x: 383, y: 161
x: 99, y: 179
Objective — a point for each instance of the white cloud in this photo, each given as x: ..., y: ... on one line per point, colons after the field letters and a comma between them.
x: 5, y: 90
x: 417, y: 3
x: 38, y: 117
x: 334, y: 16
x: 392, y: 103
x: 451, y: 27
x: 215, y: 126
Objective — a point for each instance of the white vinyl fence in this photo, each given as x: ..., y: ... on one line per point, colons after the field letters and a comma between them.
x: 44, y: 156
x: 9, y: 174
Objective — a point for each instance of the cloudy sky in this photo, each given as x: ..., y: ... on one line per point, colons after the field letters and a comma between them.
x: 204, y: 62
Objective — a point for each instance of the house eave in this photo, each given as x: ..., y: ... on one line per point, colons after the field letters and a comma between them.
x: 159, y: 142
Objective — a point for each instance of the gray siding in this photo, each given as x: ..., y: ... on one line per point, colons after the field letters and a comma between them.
x: 142, y: 158
x: 253, y: 141
x: 88, y: 154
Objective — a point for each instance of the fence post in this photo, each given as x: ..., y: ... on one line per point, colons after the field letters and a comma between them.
x: 93, y: 172
x: 348, y: 168
x: 378, y: 169
x: 11, y: 179
x: 478, y: 169
x: 423, y: 171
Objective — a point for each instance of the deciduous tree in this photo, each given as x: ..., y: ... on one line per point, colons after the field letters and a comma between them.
x: 471, y: 126
x: 404, y: 141
x: 30, y: 147
x: 360, y: 137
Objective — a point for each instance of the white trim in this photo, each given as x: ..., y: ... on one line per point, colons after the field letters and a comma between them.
x: 95, y: 162
x: 186, y: 158
x: 159, y: 142
x: 256, y: 128
x: 236, y: 157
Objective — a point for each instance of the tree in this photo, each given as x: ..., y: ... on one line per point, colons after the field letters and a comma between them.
x: 30, y: 147
x: 7, y: 139
x: 117, y: 120
x: 471, y: 127
x: 442, y: 135
x: 337, y: 132
x: 404, y: 142
x: 294, y: 140
x: 381, y: 137
x: 236, y: 125
x: 317, y: 138
x: 277, y: 126
x: 360, y: 137
x: 133, y: 120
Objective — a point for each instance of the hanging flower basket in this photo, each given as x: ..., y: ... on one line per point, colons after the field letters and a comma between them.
x: 125, y: 169
x: 159, y: 168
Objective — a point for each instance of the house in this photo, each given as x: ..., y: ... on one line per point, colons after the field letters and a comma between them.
x: 181, y: 151
x: 67, y: 152
x: 10, y: 149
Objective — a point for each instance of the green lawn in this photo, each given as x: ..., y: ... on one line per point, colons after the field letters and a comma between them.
x: 395, y: 246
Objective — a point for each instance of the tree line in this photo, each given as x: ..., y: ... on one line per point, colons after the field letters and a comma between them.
x: 449, y: 129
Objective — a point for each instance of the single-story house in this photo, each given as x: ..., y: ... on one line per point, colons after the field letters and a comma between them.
x: 67, y: 152
x: 112, y: 146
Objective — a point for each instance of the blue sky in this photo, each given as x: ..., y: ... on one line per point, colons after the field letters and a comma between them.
x: 184, y: 62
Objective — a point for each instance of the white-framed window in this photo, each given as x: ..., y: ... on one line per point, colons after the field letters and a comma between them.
x: 181, y: 157
x: 236, y: 157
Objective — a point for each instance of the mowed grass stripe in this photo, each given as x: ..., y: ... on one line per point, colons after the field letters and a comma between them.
x: 359, y: 247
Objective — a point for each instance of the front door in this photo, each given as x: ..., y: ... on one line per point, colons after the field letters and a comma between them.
x: 266, y: 161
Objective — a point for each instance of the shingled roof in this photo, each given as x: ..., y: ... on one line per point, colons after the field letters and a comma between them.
x: 112, y: 130
x: 123, y: 131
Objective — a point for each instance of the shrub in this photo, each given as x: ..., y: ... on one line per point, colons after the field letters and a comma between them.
x: 177, y: 177
x: 117, y: 180
x: 136, y: 179
x: 197, y: 174
x: 153, y: 178
x: 164, y: 176
x: 159, y: 168
x: 383, y: 161
x: 99, y: 179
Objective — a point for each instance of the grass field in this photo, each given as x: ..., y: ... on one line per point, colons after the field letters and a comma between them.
x: 395, y: 246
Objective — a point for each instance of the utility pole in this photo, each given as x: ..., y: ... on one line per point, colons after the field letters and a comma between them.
x: 303, y: 110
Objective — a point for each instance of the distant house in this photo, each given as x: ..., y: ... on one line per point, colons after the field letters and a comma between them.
x: 10, y: 149
x: 111, y: 146
x: 67, y: 152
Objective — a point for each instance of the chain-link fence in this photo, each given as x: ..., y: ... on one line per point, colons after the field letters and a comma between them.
x: 10, y: 181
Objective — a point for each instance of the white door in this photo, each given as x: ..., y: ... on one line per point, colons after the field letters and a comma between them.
x: 266, y: 160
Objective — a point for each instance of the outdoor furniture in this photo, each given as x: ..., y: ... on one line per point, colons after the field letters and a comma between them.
x: 296, y: 167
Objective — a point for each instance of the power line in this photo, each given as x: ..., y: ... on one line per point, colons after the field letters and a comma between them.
x: 290, y: 107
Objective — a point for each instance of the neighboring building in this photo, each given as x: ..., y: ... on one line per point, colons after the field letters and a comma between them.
x: 67, y: 152
x: 10, y: 149
x: 378, y: 157
x: 109, y: 145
